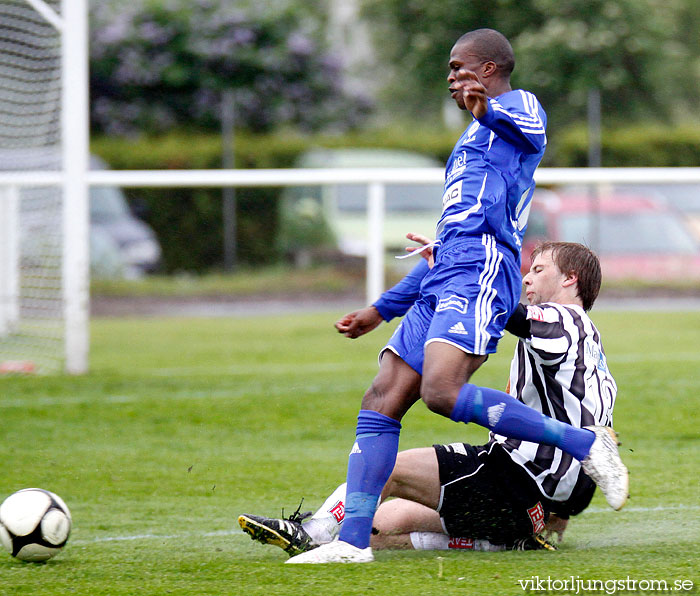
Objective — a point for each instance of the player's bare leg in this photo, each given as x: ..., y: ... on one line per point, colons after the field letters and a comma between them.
x: 395, y: 388
x: 396, y: 519
x: 445, y: 371
x: 415, y: 477
x: 372, y: 458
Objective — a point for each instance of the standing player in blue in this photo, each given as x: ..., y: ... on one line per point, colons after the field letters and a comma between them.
x: 463, y: 302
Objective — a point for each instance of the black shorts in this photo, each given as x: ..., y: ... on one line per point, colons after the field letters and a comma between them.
x: 484, y: 495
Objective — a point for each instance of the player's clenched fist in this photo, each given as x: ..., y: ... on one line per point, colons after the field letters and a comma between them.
x: 359, y: 322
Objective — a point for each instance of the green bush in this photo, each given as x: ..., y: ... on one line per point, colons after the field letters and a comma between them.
x: 188, y: 221
x: 630, y: 146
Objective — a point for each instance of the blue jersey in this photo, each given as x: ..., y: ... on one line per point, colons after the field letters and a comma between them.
x: 489, y: 176
x: 488, y: 185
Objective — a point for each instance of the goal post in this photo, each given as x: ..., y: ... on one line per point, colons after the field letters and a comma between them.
x: 44, y: 213
x: 75, y: 150
x: 9, y: 259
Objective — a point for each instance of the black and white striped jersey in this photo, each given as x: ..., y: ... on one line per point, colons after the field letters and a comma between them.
x: 561, y: 371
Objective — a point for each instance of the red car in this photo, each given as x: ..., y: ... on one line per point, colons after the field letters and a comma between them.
x: 635, y: 236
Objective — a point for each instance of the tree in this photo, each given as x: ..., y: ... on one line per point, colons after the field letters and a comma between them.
x: 165, y: 64
x: 616, y: 47
x: 642, y: 54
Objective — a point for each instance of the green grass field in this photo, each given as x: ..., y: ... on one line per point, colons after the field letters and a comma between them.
x: 182, y: 424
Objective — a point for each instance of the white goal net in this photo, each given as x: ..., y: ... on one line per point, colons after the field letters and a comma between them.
x: 33, y: 305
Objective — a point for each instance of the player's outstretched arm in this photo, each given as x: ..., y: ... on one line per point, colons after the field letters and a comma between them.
x: 392, y: 303
x: 523, y: 126
x: 396, y: 301
x: 359, y: 322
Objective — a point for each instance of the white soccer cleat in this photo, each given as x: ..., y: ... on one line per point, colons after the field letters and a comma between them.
x: 334, y: 552
x: 605, y: 468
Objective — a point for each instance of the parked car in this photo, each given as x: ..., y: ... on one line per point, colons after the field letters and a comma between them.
x: 335, y: 215
x: 635, y: 235
x: 121, y: 245
x: 134, y: 246
x: 681, y: 197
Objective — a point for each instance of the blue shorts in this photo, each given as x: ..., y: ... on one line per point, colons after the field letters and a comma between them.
x: 465, y: 300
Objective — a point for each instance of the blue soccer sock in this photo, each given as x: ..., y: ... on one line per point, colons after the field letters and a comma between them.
x: 507, y: 416
x: 370, y: 464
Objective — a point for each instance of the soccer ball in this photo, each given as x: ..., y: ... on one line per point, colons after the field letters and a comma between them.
x: 34, y: 524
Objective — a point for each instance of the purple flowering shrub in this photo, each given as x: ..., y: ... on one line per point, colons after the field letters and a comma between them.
x: 167, y: 64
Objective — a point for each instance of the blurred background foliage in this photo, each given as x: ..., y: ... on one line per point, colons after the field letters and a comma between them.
x: 160, y: 69
x: 643, y: 55
x: 159, y: 64
x: 162, y: 64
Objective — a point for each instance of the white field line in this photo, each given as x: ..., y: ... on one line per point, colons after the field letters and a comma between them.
x: 332, y: 367
x: 652, y: 357
x: 219, y: 394
x: 158, y: 536
x: 272, y: 369
x: 680, y: 507
x: 267, y: 369
x: 235, y: 532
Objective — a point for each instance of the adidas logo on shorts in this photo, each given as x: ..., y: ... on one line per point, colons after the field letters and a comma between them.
x: 458, y: 328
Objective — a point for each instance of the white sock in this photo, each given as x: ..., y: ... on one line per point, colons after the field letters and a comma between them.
x: 439, y: 541
x: 430, y: 541
x: 324, y: 525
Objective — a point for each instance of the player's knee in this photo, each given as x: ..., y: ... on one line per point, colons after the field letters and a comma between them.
x: 384, y: 541
x: 402, y: 477
x: 437, y: 397
x: 373, y: 398
x: 389, y: 401
x: 396, y: 480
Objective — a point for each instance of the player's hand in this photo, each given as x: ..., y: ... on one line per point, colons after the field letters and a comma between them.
x: 473, y: 93
x: 426, y: 253
x: 555, y: 525
x: 359, y: 322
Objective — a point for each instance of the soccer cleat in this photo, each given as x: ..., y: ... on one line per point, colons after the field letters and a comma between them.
x: 604, y: 466
x: 334, y: 552
x: 534, y: 542
x: 287, y: 533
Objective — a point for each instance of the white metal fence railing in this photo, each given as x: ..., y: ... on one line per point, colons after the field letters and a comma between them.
x: 375, y: 178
